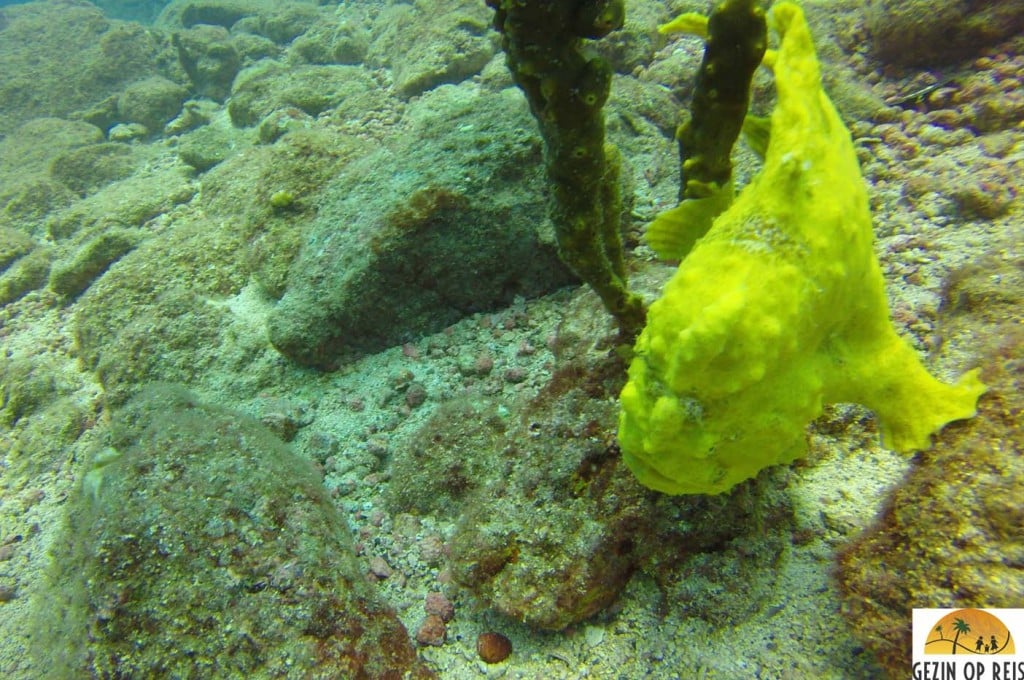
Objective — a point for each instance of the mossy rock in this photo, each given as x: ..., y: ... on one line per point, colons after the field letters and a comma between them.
x: 29, y: 202
x: 327, y: 43
x: 31, y: 147
x: 448, y: 221
x: 13, y: 244
x: 88, y: 168
x: 58, y: 58
x: 204, y: 148
x: 26, y: 386
x: 209, y: 57
x: 278, y: 21
x: 452, y: 42
x: 72, y: 276
x: 39, y: 444
x: 151, y: 102
x: 311, y: 89
x: 923, y: 33
x: 197, y: 545
x: 155, y: 315
x: 24, y: 275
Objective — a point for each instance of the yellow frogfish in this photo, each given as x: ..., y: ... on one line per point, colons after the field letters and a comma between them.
x: 779, y: 309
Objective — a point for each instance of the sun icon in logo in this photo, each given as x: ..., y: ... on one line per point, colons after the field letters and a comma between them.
x: 969, y: 631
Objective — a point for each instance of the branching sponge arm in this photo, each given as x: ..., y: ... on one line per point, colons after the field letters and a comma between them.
x: 566, y: 89
x: 735, y: 39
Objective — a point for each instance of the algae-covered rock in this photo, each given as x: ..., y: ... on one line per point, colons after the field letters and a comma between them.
x: 13, y: 244
x: 549, y: 524
x: 88, y: 168
x: 453, y: 42
x: 24, y: 275
x: 921, y: 33
x: 151, y: 102
x: 60, y: 56
x: 72, y: 276
x: 25, y: 387
x: 278, y: 21
x: 206, y: 147
x: 144, y: 11
x: 150, y: 318
x: 156, y: 188
x: 168, y: 309
x: 209, y: 58
x: 198, y: 545
x: 27, y: 193
x: 311, y: 89
x: 32, y: 146
x: 29, y: 201
x: 344, y: 41
x: 416, y: 235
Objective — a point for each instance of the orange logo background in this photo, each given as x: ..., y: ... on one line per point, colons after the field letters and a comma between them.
x: 969, y: 631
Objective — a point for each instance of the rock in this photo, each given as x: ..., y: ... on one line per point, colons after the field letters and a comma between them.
x: 209, y: 58
x: 151, y: 102
x: 150, y: 318
x: 88, y: 168
x: 311, y: 89
x: 13, y: 244
x: 141, y: 11
x: 72, y: 276
x: 471, y: 465
x: 26, y: 386
x: 204, y: 148
x: 345, y: 41
x: 430, y: 44
x: 493, y: 647
x: 27, y: 202
x: 31, y: 147
x: 924, y: 33
x: 24, y: 275
x: 198, y: 544
x: 59, y: 57
x: 428, y: 230
x: 276, y: 20
x: 432, y: 631
x: 439, y: 605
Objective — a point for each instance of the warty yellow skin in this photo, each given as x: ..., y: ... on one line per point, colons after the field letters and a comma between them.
x: 779, y: 309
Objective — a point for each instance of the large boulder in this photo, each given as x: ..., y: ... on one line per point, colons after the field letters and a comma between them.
x: 199, y: 545
x: 922, y: 33
x: 448, y: 221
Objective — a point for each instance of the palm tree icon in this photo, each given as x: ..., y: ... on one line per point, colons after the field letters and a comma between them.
x: 960, y: 626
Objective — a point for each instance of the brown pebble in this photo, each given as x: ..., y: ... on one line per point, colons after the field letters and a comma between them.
x: 432, y: 632
x: 439, y: 605
x: 493, y: 647
x: 379, y: 567
x: 415, y: 395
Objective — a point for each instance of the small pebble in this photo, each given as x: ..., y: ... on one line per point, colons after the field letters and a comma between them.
x: 432, y: 549
x: 379, y: 567
x: 439, y: 605
x: 432, y: 632
x: 493, y: 647
x: 415, y: 395
x: 515, y: 374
